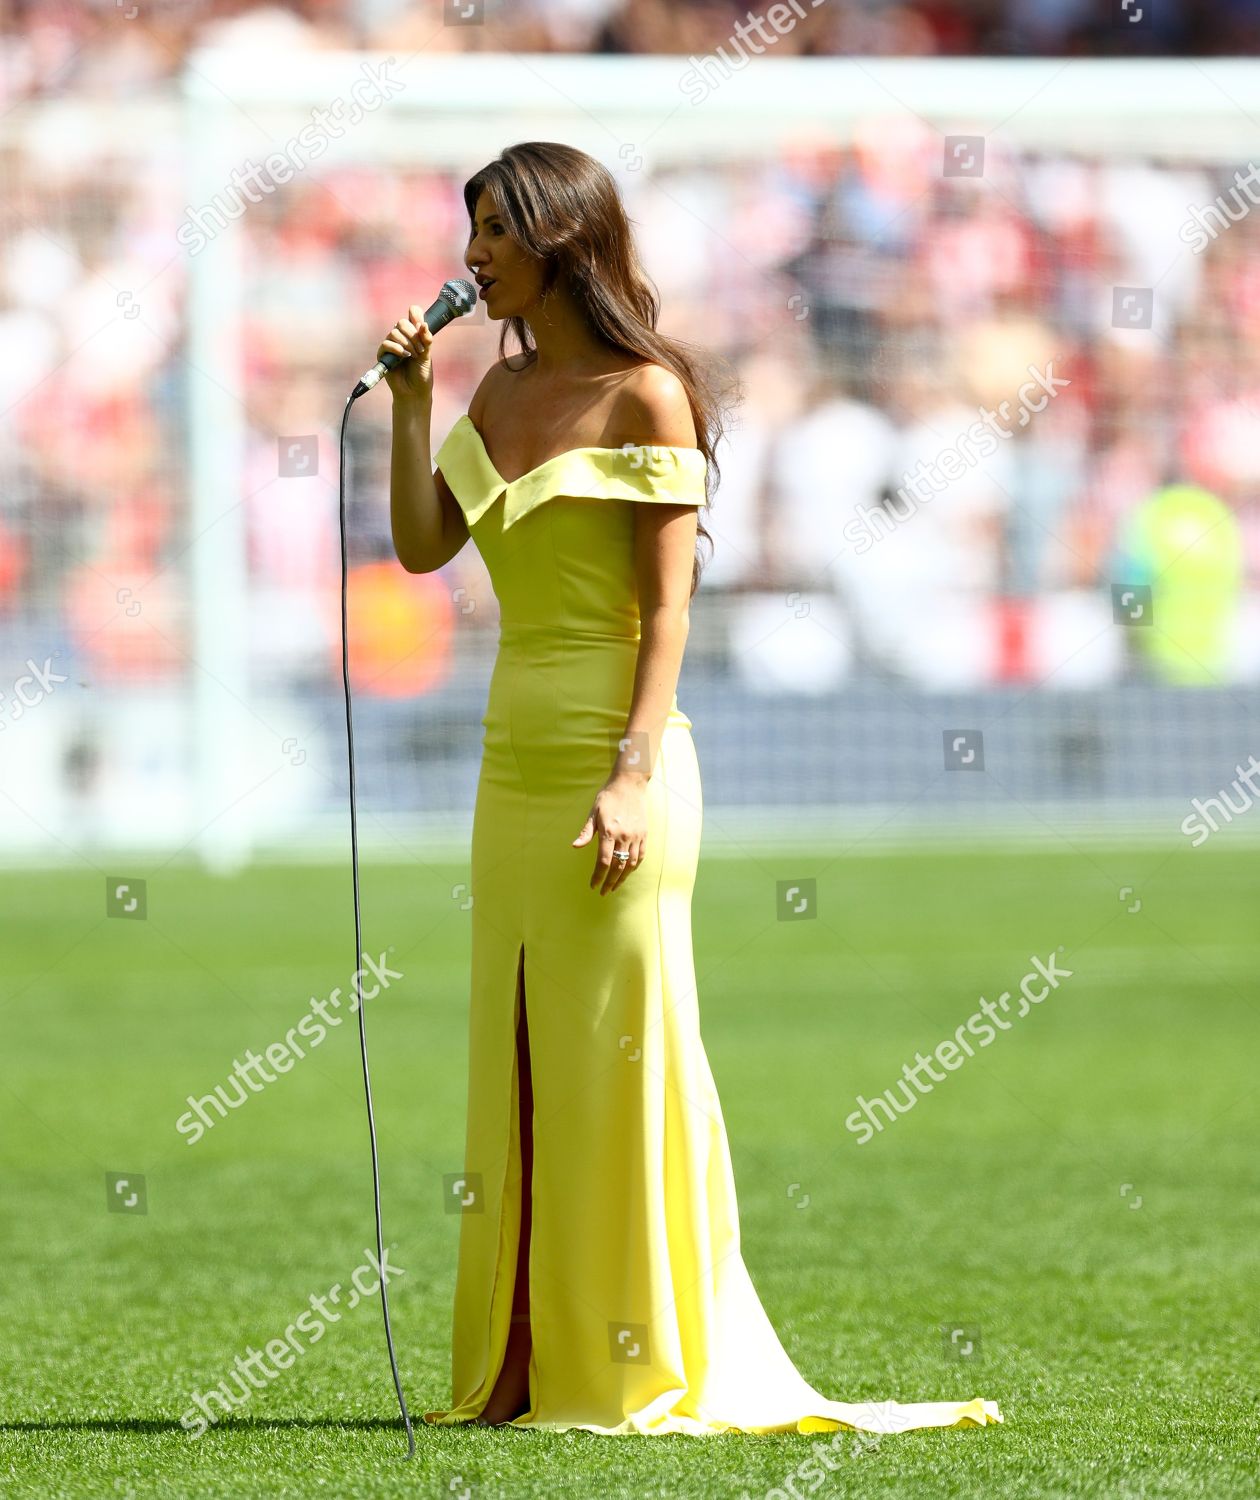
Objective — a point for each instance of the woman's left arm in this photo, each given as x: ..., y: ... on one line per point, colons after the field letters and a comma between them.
x: 664, y: 552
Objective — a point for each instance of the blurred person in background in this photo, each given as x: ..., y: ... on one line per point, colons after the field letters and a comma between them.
x: 923, y: 565
x: 997, y: 352
x: 831, y: 457
x: 743, y: 554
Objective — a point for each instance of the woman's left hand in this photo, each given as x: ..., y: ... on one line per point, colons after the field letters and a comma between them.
x: 618, y: 818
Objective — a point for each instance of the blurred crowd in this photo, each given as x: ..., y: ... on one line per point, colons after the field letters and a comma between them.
x: 112, y: 47
x: 874, y: 309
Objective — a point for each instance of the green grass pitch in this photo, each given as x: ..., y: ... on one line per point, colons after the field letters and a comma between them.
x: 1080, y: 1194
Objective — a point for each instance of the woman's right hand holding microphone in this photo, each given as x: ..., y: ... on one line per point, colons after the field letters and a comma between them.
x: 411, y: 340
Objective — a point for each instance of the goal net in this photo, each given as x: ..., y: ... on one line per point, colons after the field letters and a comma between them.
x: 985, y: 547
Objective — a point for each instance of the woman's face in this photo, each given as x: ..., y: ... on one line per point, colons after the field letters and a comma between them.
x: 509, y: 278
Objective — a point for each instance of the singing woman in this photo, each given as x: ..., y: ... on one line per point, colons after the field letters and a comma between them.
x: 600, y: 1281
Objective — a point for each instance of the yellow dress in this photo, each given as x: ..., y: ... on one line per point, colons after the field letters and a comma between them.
x: 643, y: 1317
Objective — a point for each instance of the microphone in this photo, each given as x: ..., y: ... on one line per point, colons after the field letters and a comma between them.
x: 456, y: 298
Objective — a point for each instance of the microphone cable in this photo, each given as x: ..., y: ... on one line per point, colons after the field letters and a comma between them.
x: 456, y: 298
x: 358, y: 930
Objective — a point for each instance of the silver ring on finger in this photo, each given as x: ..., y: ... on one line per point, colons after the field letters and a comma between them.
x: 621, y: 854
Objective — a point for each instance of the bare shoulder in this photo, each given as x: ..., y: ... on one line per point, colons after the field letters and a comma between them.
x: 654, y: 407
x: 491, y: 382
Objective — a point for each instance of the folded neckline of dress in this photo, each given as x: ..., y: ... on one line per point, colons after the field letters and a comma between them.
x: 662, y: 473
x: 629, y: 451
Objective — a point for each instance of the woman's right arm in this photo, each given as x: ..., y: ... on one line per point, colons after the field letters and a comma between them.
x: 427, y: 524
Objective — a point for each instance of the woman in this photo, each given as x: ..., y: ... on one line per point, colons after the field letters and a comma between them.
x: 600, y: 1282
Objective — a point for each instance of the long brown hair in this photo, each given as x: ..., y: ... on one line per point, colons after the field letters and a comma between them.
x: 563, y: 206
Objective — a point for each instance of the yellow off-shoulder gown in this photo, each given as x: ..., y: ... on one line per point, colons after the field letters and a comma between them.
x: 643, y: 1317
